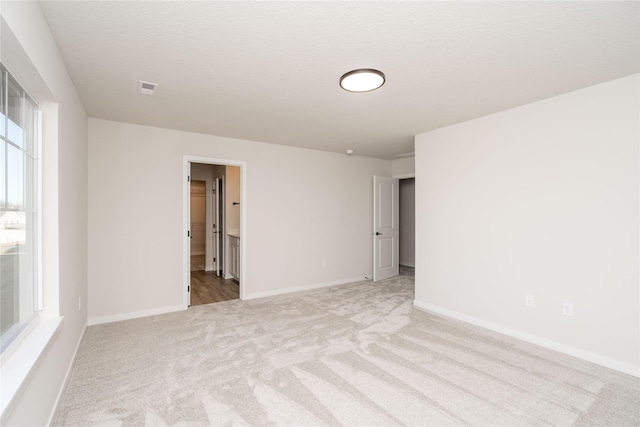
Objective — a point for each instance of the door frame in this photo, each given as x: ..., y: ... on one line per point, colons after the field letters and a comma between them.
x: 401, y: 177
x: 186, y: 244
x: 218, y: 221
x: 404, y: 176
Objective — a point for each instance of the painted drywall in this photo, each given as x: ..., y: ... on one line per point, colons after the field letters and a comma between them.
x: 540, y: 200
x: 408, y: 222
x: 64, y: 206
x: 303, y: 206
x: 403, y: 167
x: 232, y: 195
x: 232, y: 212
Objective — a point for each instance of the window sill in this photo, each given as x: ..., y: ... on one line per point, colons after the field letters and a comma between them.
x: 16, y: 367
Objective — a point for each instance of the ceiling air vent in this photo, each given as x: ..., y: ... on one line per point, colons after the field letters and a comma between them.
x: 147, y: 88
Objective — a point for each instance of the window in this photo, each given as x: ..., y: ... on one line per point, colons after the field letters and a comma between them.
x: 19, y: 289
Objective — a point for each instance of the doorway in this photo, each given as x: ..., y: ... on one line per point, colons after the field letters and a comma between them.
x: 394, y: 226
x: 407, y: 222
x: 208, y: 284
x: 407, y: 252
x: 213, y: 215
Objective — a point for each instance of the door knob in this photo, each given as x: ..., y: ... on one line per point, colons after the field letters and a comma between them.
x: 378, y: 233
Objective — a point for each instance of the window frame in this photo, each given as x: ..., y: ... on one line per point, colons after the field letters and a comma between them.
x: 18, y: 331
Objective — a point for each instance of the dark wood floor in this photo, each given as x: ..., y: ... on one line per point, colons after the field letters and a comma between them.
x: 207, y: 288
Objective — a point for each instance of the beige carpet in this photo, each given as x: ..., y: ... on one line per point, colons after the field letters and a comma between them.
x: 356, y: 354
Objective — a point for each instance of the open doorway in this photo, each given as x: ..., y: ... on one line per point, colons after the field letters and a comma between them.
x: 407, y: 226
x: 394, y: 226
x: 213, y: 252
x: 207, y: 215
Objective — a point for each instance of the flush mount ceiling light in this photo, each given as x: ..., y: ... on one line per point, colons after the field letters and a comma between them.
x: 362, y: 80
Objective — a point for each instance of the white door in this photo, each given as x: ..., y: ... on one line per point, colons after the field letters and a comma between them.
x: 216, y: 226
x: 188, y: 237
x: 385, y: 227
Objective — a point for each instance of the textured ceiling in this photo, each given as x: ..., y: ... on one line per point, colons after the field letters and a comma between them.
x: 269, y: 71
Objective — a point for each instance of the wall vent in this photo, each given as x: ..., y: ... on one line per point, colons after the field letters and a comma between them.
x: 147, y: 88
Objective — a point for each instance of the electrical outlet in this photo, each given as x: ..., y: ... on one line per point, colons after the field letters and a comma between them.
x: 567, y: 308
x: 529, y: 300
x: 79, y: 303
x: 324, y: 263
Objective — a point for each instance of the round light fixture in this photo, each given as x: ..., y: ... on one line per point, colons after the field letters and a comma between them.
x: 362, y: 80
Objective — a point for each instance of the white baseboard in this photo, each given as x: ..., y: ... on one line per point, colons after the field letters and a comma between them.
x: 67, y: 377
x: 134, y: 315
x: 306, y: 287
x: 542, y: 342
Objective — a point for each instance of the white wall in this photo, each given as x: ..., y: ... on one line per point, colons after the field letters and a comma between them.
x: 303, y: 206
x: 403, y: 167
x: 408, y: 222
x: 64, y: 207
x: 232, y: 194
x: 232, y: 212
x: 541, y: 199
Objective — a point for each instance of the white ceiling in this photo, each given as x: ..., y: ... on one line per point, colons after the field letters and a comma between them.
x: 269, y: 71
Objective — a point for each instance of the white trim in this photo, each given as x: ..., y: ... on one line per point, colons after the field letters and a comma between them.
x: 307, y: 287
x: 543, y: 342
x: 186, y: 223
x: 404, y: 176
x: 21, y: 363
x: 134, y: 315
x: 67, y: 377
x: 186, y: 247
x: 39, y: 222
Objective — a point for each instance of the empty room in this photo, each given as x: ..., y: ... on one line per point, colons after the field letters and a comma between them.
x: 319, y: 213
